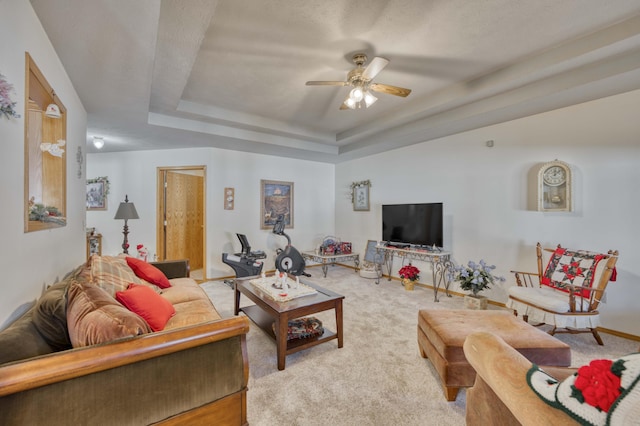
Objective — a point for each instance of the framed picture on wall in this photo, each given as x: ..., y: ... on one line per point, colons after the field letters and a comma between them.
x: 276, y: 198
x: 97, y: 191
x: 361, y: 196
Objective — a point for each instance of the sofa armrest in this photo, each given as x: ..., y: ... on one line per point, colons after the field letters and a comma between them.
x: 173, y: 268
x: 139, y: 380
x: 504, y: 371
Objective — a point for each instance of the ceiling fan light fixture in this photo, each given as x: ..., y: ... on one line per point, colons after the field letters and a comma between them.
x: 350, y: 103
x: 356, y: 94
x: 369, y: 99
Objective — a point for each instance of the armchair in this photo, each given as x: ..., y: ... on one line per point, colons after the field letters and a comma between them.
x: 566, y: 291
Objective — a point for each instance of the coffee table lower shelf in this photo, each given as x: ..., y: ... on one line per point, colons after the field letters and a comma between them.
x: 265, y: 321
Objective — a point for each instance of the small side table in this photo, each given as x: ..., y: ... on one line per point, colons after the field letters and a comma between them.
x: 94, y: 245
x: 326, y: 259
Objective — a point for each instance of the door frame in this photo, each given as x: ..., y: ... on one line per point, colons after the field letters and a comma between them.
x: 160, y: 211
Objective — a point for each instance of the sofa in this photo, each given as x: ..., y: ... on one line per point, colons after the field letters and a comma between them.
x: 96, y: 349
x: 510, y: 390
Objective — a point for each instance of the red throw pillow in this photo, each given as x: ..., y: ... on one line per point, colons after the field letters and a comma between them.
x: 142, y: 300
x: 148, y: 272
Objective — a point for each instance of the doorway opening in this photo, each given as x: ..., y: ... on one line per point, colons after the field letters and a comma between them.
x: 181, y: 230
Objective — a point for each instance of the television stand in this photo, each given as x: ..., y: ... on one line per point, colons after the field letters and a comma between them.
x: 440, y: 261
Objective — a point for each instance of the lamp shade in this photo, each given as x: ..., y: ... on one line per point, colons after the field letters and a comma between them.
x: 126, y: 210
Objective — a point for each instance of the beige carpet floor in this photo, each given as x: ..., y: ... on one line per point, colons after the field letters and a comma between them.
x: 378, y: 377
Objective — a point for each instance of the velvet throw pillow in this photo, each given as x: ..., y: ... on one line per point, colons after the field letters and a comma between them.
x: 94, y: 316
x: 153, y: 308
x: 148, y: 272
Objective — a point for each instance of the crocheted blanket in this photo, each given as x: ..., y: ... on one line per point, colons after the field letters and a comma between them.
x: 604, y: 392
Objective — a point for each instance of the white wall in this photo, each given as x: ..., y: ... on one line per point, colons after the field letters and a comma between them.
x: 135, y: 174
x: 30, y: 261
x: 486, y: 193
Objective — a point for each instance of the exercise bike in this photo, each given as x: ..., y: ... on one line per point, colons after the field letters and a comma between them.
x: 289, y: 259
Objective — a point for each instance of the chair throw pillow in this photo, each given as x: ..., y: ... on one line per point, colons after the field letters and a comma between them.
x: 112, y: 273
x: 604, y: 392
x: 148, y: 272
x: 571, y: 267
x: 153, y: 308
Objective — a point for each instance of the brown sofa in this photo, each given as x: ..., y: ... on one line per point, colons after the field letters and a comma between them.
x: 79, y: 357
x: 501, y: 395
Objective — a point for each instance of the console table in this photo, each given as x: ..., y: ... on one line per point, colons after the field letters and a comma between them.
x: 326, y: 259
x: 441, y: 264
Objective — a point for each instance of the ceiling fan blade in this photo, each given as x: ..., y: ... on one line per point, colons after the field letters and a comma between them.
x: 390, y: 90
x: 327, y: 83
x: 374, y: 67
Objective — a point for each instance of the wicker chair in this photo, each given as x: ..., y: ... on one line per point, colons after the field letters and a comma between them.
x: 567, y: 292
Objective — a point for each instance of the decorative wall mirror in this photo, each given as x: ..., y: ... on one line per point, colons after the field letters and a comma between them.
x: 45, y: 159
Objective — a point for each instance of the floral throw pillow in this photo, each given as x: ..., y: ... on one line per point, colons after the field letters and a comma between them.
x: 571, y: 267
x: 604, y: 392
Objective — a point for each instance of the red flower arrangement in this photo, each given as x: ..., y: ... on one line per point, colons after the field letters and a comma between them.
x: 409, y: 272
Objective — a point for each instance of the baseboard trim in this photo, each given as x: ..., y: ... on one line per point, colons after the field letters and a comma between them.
x: 455, y: 293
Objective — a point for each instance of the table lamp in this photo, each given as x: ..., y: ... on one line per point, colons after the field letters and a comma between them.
x: 126, y: 211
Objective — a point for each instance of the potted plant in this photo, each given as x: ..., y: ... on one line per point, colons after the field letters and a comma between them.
x: 476, y: 277
x: 409, y: 275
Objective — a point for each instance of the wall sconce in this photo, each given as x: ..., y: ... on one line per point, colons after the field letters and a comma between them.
x: 53, y: 111
x: 98, y: 142
x: 126, y: 211
x: 54, y: 149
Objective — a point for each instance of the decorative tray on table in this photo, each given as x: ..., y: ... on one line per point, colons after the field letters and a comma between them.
x: 272, y: 288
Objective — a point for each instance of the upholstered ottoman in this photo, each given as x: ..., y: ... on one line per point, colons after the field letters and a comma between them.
x: 441, y: 334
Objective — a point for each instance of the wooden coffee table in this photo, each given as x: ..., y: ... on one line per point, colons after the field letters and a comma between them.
x: 267, y: 311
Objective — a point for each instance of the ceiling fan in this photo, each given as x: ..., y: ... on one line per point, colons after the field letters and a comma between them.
x: 360, y: 79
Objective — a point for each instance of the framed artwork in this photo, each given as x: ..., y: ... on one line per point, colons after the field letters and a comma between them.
x: 276, y: 198
x: 229, y: 198
x: 361, y: 196
x: 97, y: 191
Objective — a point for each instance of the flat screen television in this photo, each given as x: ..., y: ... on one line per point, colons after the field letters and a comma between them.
x: 415, y: 224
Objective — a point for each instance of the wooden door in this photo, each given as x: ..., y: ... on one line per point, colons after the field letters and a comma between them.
x: 181, y: 215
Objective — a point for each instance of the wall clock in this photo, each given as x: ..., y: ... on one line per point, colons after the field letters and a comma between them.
x: 555, y: 187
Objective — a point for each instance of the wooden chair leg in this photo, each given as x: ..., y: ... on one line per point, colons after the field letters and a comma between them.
x: 597, y: 336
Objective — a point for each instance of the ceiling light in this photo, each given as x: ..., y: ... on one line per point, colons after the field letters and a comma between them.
x: 350, y: 103
x: 369, y: 99
x: 357, y: 94
x: 98, y: 142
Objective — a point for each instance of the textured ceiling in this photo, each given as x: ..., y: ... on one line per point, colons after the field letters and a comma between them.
x: 231, y: 74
